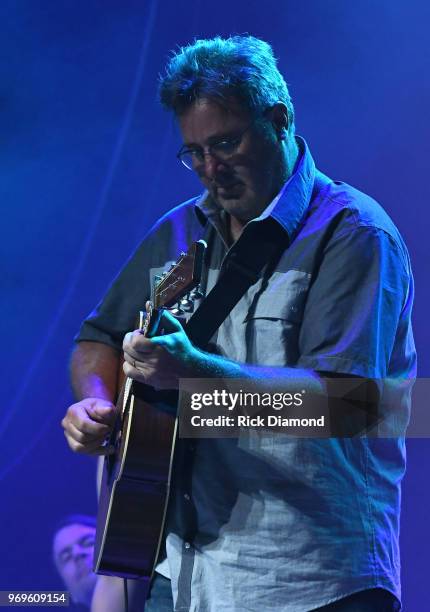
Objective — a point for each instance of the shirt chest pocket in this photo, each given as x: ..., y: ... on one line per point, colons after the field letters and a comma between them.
x: 274, y: 318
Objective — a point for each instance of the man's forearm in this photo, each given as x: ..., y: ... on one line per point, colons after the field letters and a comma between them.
x: 94, y: 371
x: 208, y: 365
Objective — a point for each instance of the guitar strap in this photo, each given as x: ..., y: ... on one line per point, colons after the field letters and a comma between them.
x: 241, y: 269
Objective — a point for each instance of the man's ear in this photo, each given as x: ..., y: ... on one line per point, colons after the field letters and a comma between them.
x: 278, y: 115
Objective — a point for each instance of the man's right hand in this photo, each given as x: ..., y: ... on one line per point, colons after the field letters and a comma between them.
x: 87, y: 425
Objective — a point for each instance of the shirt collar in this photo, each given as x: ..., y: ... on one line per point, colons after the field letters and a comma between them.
x: 289, y: 205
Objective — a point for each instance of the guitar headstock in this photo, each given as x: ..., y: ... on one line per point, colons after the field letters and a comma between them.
x: 181, y: 278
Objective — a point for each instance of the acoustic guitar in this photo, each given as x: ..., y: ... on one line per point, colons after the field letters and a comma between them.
x: 136, y: 478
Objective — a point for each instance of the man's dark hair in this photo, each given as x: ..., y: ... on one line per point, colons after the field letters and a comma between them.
x: 218, y: 68
x: 75, y: 519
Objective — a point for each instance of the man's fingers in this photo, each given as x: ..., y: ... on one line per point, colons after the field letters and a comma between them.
x: 102, y: 414
x: 169, y: 323
x: 96, y: 448
x: 129, y: 359
x: 86, y: 434
x: 131, y: 371
x: 135, y: 343
x: 87, y: 425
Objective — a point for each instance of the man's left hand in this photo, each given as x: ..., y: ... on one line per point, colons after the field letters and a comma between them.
x: 160, y: 361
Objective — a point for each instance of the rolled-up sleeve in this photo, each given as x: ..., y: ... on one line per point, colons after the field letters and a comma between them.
x: 355, y: 303
x: 117, y: 312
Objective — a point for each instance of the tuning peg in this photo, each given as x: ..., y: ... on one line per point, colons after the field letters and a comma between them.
x: 187, y: 304
x: 176, y: 310
x: 196, y: 294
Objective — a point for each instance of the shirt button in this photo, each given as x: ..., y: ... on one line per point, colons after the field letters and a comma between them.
x: 187, y: 545
x: 186, y: 496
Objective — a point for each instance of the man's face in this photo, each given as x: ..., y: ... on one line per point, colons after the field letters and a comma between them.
x: 73, y: 555
x: 246, y: 183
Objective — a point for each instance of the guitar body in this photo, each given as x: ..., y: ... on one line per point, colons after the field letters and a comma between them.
x: 135, y: 489
x: 136, y: 478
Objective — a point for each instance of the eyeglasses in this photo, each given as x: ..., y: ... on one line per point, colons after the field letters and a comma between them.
x: 222, y: 150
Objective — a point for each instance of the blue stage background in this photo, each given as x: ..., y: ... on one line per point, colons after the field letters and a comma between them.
x: 88, y: 164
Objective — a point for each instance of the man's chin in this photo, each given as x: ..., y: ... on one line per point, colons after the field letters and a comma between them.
x: 238, y: 207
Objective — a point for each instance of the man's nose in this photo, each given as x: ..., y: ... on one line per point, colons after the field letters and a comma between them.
x: 212, y: 166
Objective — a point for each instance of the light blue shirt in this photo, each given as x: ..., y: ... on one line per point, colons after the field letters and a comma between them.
x: 268, y: 522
